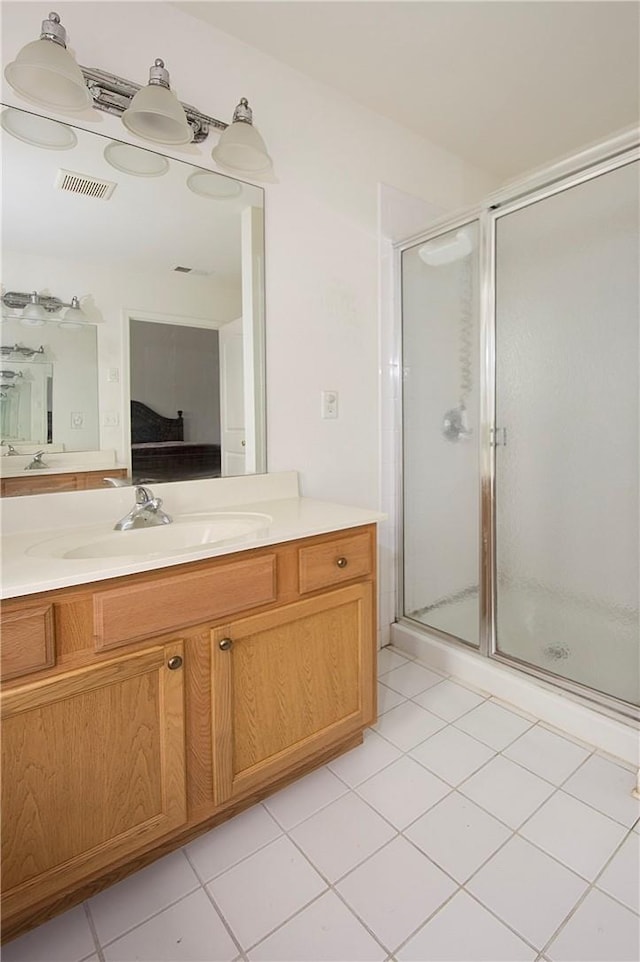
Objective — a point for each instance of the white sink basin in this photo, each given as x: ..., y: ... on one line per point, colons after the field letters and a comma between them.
x: 186, y: 534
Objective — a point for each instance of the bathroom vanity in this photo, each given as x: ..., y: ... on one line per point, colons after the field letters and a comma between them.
x: 140, y: 710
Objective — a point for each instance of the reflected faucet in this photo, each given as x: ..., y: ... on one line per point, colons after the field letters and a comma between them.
x: 36, y: 462
x: 10, y: 449
x: 118, y: 482
x: 146, y: 513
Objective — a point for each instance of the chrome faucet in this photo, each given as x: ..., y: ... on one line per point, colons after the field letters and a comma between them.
x: 146, y: 513
x: 118, y: 482
x: 36, y: 462
x: 10, y: 448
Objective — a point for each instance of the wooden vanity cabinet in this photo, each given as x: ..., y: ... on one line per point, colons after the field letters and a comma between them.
x: 33, y: 483
x: 288, y: 683
x: 167, y: 701
x: 93, y: 767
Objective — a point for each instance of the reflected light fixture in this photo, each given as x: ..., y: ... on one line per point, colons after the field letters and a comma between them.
x: 37, y: 131
x: 45, y: 73
x: 36, y: 309
x: 34, y: 314
x: 135, y: 160
x: 74, y: 317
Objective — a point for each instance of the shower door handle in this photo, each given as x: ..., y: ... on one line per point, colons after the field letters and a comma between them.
x: 498, y: 437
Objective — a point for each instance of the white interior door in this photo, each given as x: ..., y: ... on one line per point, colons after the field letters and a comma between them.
x: 232, y: 414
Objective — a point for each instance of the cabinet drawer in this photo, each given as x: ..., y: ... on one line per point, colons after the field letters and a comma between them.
x: 126, y: 614
x: 331, y: 563
x: 27, y: 641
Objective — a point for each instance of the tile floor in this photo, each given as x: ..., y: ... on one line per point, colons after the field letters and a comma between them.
x: 461, y: 830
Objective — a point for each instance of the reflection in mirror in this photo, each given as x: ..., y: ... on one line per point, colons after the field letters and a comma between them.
x: 54, y: 393
x: 147, y: 243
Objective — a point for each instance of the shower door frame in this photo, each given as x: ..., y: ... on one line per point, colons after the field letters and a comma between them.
x: 592, y: 163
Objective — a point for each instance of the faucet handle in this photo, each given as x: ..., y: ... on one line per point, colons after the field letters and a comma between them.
x: 117, y: 482
x: 143, y: 495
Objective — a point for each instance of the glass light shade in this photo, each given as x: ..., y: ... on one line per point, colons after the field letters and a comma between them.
x: 37, y: 131
x: 45, y: 73
x: 33, y: 315
x: 156, y: 114
x: 242, y: 148
x: 213, y: 186
x: 74, y: 317
x: 135, y: 160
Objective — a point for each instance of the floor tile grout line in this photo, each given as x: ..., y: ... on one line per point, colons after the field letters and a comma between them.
x: 215, y: 906
x: 93, y: 929
x: 244, y: 858
x: 316, y: 811
x: 548, y: 726
x: 169, y: 905
x: 502, y: 921
x: 329, y: 886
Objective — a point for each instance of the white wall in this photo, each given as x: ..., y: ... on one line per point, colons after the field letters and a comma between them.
x: 321, y: 243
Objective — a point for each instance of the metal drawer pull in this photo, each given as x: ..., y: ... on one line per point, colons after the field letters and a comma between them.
x: 342, y: 562
x: 225, y: 644
x: 174, y: 663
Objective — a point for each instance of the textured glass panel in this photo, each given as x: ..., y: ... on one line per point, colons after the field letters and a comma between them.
x: 567, y: 395
x: 441, y: 411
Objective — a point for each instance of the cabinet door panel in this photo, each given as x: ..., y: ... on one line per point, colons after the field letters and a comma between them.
x: 93, y: 768
x: 293, y: 681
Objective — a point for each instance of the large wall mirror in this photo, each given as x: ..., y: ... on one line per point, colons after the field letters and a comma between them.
x: 166, y: 365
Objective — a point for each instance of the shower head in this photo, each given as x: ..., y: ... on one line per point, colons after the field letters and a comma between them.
x: 446, y: 250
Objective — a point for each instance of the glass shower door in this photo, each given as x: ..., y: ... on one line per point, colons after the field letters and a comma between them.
x: 440, y: 359
x: 567, y: 431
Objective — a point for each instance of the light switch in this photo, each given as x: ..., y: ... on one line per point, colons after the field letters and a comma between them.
x: 113, y: 375
x: 329, y: 404
x: 110, y: 419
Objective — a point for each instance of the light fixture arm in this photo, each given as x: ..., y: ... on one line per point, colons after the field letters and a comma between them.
x: 17, y: 300
x: 113, y: 95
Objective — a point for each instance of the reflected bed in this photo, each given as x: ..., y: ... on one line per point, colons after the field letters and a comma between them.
x: 160, y: 453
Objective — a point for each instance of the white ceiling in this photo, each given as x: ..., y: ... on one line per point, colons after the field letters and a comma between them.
x: 507, y: 86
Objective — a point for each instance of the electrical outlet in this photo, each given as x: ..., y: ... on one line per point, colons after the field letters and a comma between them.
x: 77, y: 419
x: 110, y: 419
x: 113, y: 375
x: 329, y: 404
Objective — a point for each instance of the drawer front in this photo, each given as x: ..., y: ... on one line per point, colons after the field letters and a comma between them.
x: 27, y: 641
x: 130, y: 613
x: 331, y: 563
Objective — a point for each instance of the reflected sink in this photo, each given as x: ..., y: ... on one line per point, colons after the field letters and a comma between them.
x: 186, y: 534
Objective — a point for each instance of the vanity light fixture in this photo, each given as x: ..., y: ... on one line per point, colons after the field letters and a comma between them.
x: 45, y: 73
x: 37, y: 309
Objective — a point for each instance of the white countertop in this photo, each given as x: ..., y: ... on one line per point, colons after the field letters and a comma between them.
x: 40, y: 518
x: 58, y: 462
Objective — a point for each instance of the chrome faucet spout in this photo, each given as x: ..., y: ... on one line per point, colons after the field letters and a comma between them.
x: 146, y: 513
x: 36, y: 462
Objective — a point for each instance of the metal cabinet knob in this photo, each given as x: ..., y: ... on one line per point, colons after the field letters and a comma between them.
x: 174, y: 663
x: 342, y: 562
x: 225, y: 644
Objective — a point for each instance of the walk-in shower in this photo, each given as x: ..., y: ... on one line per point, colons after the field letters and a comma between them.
x: 520, y: 476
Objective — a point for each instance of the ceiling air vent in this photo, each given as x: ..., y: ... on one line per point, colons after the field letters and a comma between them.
x: 77, y: 183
